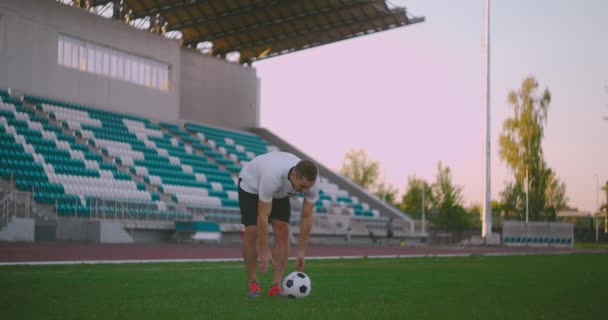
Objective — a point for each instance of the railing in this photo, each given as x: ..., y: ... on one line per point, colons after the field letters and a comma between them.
x: 19, y: 203
x: 398, y: 225
x: 220, y: 215
x: 99, y: 208
x: 15, y: 204
x: 233, y: 216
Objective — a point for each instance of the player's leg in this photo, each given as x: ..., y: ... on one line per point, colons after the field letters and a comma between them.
x: 248, y: 204
x: 281, y: 249
x: 250, y: 252
x: 280, y: 214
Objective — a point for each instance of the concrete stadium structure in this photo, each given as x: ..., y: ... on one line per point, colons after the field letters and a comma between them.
x: 50, y: 82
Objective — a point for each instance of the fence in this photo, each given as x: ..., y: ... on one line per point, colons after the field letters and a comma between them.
x: 15, y: 204
x: 97, y: 208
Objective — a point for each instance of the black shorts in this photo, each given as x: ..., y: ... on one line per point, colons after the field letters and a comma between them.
x: 248, y: 202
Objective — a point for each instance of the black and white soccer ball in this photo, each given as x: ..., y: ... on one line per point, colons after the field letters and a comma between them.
x: 296, y: 285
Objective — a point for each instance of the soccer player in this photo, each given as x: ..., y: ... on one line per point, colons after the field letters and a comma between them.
x: 265, y: 185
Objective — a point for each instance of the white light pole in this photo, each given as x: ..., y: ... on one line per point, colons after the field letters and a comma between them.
x: 486, y: 226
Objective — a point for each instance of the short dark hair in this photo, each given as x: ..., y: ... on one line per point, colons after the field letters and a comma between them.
x: 306, y: 169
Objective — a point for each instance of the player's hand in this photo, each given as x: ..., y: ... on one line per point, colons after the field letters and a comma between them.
x: 265, y: 258
x: 300, y: 261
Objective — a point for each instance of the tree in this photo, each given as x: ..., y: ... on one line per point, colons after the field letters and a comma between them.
x: 555, y: 195
x: 444, y: 193
x: 513, y: 199
x: 360, y: 169
x: 447, y: 200
x: 604, y: 206
x: 520, y: 146
x: 474, y: 216
x: 520, y: 140
x: 411, y: 202
x: 497, y: 209
x: 388, y: 193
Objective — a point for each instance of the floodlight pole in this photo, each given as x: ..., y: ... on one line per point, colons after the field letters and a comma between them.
x: 486, y: 228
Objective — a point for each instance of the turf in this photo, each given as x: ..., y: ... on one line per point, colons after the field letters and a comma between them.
x: 591, y: 245
x: 478, y: 287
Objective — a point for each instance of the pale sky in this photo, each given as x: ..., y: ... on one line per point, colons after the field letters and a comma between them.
x: 414, y: 96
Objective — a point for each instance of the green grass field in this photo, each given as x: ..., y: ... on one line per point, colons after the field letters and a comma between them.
x: 592, y: 245
x: 479, y: 287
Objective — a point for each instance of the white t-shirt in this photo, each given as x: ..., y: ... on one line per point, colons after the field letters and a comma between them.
x: 268, y: 176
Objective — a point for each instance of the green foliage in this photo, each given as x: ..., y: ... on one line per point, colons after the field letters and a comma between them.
x: 446, y: 199
x: 411, y: 202
x: 604, y: 206
x: 520, y: 140
x: 444, y: 193
x: 474, y: 216
x: 555, y: 195
x: 365, y: 172
x: 497, y: 209
x: 520, y: 146
x: 388, y: 193
x: 360, y: 169
x: 513, y: 199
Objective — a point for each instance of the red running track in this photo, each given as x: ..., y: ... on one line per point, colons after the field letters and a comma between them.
x: 71, y: 251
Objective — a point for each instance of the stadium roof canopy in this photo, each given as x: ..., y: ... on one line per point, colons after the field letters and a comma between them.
x: 260, y: 29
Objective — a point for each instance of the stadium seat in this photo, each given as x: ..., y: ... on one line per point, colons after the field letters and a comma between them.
x: 52, y: 164
x: 80, y: 159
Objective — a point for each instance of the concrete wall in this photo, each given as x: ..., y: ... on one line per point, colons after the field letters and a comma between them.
x: 113, y: 232
x: 105, y: 231
x: 28, y: 58
x: 203, y: 88
x: 78, y: 230
x: 152, y: 236
x: 218, y: 92
x: 18, y: 229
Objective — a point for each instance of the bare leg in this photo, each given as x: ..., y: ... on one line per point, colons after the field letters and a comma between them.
x: 280, y: 251
x: 250, y: 252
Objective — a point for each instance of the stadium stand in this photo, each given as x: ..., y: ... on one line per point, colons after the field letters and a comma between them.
x: 239, y: 147
x: 42, y: 158
x: 80, y: 125
x: 160, y: 160
x: 90, y: 156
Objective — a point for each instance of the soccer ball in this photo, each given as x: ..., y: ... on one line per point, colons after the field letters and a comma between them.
x: 296, y: 285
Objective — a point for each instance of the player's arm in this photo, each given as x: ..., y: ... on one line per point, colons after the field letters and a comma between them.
x: 265, y: 256
x: 305, y: 228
